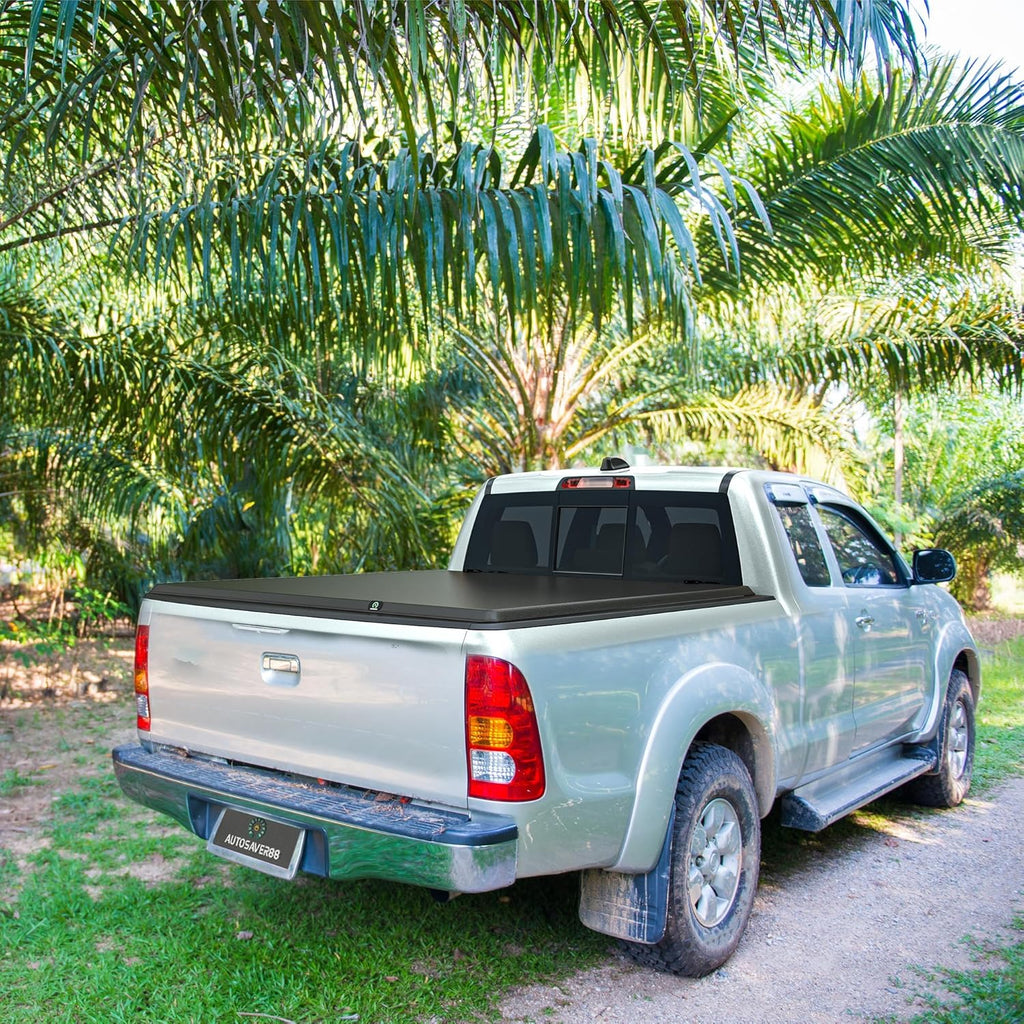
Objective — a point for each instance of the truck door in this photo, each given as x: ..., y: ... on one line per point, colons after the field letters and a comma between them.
x: 826, y: 728
x: 891, y: 645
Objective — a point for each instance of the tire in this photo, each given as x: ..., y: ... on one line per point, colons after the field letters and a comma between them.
x: 716, y: 846
x: 949, y: 784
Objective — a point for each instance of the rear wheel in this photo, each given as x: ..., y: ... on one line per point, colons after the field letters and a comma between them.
x: 716, y: 850
x: 949, y: 784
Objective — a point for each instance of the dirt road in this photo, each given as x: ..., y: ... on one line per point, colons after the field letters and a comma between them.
x: 841, y: 935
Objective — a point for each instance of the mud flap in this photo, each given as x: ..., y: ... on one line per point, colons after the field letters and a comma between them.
x: 632, y: 907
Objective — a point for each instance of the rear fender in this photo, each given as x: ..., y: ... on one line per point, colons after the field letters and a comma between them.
x: 698, y: 697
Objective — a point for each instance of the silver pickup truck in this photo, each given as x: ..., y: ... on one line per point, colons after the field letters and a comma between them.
x: 619, y: 673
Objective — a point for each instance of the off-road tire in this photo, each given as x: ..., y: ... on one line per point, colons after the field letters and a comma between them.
x: 949, y: 784
x: 713, y: 784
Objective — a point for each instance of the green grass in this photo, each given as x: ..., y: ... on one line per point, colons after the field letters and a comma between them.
x: 90, y: 942
x: 12, y: 780
x: 989, y: 995
x: 1000, y: 722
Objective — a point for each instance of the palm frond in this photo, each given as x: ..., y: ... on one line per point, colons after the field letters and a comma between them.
x: 786, y: 429
x: 878, y: 179
x: 206, y: 58
x: 912, y: 342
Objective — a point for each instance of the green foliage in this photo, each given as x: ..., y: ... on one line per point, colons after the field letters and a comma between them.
x: 963, y: 484
x: 12, y: 780
x: 277, y: 280
x: 882, y: 175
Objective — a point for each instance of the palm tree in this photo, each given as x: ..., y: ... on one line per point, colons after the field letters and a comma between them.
x: 320, y: 180
x: 547, y: 400
x: 879, y: 199
x: 893, y: 210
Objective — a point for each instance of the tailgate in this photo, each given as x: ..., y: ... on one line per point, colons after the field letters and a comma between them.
x: 372, y: 704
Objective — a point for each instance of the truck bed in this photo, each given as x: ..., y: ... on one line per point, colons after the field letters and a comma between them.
x: 444, y: 598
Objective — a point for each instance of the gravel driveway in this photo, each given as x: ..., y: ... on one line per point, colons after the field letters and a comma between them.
x: 841, y: 937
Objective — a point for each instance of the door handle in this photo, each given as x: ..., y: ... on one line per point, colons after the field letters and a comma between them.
x: 923, y: 617
x: 865, y: 622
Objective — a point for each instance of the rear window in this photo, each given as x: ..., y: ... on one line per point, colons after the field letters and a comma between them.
x: 646, y: 535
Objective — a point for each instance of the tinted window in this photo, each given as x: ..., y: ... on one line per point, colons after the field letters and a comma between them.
x: 684, y: 541
x: 804, y: 543
x: 638, y: 535
x: 512, y: 534
x: 591, y: 538
x: 863, y: 557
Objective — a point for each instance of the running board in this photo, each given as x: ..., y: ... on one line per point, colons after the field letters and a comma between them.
x: 819, y: 803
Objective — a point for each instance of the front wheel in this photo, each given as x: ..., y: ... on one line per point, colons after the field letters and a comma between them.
x: 716, y: 852
x: 949, y: 784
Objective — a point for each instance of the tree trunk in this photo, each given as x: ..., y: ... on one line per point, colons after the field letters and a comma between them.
x: 899, y: 417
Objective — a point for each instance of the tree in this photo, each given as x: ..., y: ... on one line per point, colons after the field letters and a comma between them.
x: 894, y: 209
x: 201, y: 133
x: 964, y: 484
x: 545, y: 401
x: 264, y: 214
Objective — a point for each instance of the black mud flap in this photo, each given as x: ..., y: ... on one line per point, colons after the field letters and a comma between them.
x: 631, y: 907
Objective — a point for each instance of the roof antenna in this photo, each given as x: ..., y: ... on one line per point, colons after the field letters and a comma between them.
x: 613, y: 464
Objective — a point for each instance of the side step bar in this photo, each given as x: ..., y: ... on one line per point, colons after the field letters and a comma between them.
x: 819, y: 803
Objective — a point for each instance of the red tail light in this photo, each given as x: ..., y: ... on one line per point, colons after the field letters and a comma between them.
x: 142, y: 677
x: 502, y: 739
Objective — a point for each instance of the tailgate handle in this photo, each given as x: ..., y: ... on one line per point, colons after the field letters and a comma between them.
x: 280, y: 669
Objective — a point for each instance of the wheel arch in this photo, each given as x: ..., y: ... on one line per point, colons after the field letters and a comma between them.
x: 723, y: 704
x: 967, y: 661
x: 745, y: 736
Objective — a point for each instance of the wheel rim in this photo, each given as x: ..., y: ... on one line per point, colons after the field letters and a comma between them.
x: 957, y: 740
x: 716, y: 848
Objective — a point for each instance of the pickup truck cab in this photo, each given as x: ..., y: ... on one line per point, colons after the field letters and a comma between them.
x: 620, y: 672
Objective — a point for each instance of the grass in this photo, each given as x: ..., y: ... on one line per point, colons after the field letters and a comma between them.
x: 1000, y: 720
x: 12, y: 780
x: 89, y: 941
x: 87, y: 933
x: 990, y: 995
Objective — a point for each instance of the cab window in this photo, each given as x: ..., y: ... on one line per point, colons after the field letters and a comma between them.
x: 804, y: 543
x: 864, y: 558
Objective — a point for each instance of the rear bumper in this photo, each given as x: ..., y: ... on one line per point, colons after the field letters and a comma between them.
x: 349, y: 833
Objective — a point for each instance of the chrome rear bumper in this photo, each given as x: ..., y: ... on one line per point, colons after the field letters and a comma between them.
x: 349, y: 833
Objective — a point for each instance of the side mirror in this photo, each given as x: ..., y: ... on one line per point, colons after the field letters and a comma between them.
x: 934, y: 565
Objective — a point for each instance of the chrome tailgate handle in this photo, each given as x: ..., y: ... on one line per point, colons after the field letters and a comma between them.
x: 280, y: 669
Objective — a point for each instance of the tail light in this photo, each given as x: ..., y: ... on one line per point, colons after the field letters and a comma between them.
x: 142, y: 677
x: 572, y: 483
x: 502, y: 739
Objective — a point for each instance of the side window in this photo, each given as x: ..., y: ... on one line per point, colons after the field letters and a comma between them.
x: 803, y: 540
x: 864, y: 560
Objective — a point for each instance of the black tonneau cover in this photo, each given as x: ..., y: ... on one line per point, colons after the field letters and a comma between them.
x: 441, y: 597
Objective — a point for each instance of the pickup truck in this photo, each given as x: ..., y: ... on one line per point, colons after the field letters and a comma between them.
x: 620, y: 672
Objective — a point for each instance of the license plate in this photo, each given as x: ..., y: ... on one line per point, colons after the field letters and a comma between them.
x: 261, y: 843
